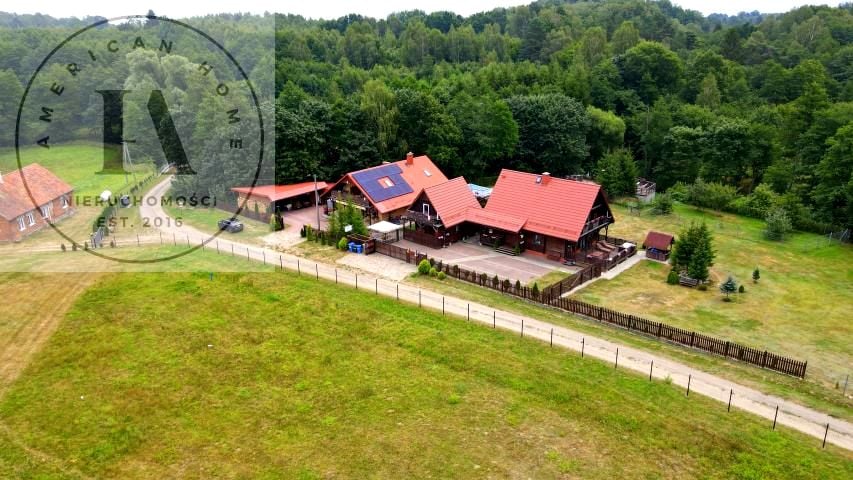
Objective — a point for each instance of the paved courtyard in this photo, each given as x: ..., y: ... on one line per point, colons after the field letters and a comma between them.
x: 524, y: 268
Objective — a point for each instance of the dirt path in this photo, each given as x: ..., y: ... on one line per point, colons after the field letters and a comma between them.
x: 793, y: 415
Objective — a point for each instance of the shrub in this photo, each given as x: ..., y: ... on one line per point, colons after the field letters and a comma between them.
x: 778, y: 225
x: 442, y: 275
x: 755, y: 275
x: 741, y: 289
x: 535, y: 290
x: 483, y: 278
x: 424, y: 267
x: 678, y: 192
x: 302, y: 232
x: 729, y: 286
x: 62, y: 246
x: 507, y: 284
x: 662, y: 204
x: 711, y: 195
x: 112, y: 244
x: 85, y: 245
x: 702, y: 287
x: 342, y: 243
x: 73, y: 247
x: 496, y: 281
x: 672, y: 278
x: 456, y: 270
x: 516, y: 250
x: 433, y: 272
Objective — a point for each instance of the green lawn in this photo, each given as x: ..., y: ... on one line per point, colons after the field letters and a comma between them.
x: 207, y: 219
x: 270, y: 375
x: 800, y: 307
x: 76, y: 164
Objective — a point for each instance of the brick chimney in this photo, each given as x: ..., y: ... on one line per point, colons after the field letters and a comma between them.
x: 410, y: 158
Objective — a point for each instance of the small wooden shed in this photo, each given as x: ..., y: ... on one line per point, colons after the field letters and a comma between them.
x: 658, y: 245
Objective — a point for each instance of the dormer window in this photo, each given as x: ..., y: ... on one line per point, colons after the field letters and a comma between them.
x: 386, y: 182
x: 427, y: 173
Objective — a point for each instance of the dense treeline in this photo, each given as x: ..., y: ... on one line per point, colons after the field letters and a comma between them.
x: 758, y: 108
x: 575, y: 88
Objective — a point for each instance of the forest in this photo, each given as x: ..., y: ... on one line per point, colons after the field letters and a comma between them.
x: 749, y: 113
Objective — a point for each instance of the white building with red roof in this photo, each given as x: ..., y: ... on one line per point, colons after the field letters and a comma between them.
x: 31, y: 199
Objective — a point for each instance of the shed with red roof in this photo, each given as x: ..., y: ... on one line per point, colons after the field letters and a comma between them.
x: 270, y: 198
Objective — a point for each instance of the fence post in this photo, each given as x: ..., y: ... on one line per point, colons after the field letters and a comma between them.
x: 356, y: 281
x: 281, y: 263
x: 775, y: 417
x: 442, y: 306
x: 689, y: 378
x: 298, y: 267
x: 188, y: 239
x: 376, y: 286
x: 336, y: 276
x: 398, y: 292
x: 616, y: 365
x: 419, y: 298
x: 317, y: 270
x: 217, y: 246
x: 825, y: 434
x: 522, y: 328
x: 137, y: 240
x: 651, y: 369
x: 264, y: 253
x: 845, y: 384
x: 174, y: 239
x: 248, y: 258
x: 161, y: 238
x: 552, y: 337
x: 469, y: 312
x: 494, y: 319
x: 731, y: 392
x: 583, y: 344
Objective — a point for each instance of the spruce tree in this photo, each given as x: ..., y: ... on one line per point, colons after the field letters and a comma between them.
x: 728, y: 287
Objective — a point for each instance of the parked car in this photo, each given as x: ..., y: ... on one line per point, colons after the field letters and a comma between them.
x: 231, y: 225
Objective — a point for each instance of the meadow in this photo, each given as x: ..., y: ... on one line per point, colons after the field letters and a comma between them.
x: 270, y: 375
x: 800, y: 307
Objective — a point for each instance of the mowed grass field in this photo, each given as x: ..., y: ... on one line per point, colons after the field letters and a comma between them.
x: 801, y: 307
x: 77, y: 164
x: 270, y: 375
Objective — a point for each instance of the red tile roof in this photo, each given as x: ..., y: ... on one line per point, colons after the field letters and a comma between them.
x: 451, y: 200
x: 495, y: 220
x: 274, y: 193
x: 421, y: 174
x: 659, y: 241
x: 42, y: 183
x: 554, y: 206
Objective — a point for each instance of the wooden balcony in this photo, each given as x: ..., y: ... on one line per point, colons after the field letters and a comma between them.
x: 596, y: 223
x: 422, y: 219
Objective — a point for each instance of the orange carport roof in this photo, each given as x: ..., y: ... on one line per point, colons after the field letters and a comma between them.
x: 274, y: 193
x: 501, y: 221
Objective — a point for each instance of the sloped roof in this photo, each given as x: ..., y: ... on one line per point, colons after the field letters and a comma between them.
x: 421, y: 174
x: 659, y: 241
x: 451, y: 200
x: 43, y: 185
x: 549, y: 206
x: 502, y: 221
x: 274, y: 193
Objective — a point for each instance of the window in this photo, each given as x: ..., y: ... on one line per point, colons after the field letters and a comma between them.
x: 64, y: 202
x: 46, y: 210
x: 425, y: 209
x: 31, y: 219
x: 427, y: 173
x: 21, y: 225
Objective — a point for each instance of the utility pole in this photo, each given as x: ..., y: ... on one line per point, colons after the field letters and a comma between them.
x: 317, y: 202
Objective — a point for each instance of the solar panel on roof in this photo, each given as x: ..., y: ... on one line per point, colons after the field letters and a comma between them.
x: 369, y: 182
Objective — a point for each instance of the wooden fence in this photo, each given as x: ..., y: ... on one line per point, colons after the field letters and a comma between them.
x: 552, y: 297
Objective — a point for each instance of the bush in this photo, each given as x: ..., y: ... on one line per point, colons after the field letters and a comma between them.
x: 442, y: 275
x: 778, y: 225
x: 728, y: 287
x: 302, y: 232
x: 112, y: 244
x: 662, y: 204
x: 433, y: 272
x: 678, y: 192
x: 672, y: 278
x: 424, y: 267
x: 741, y: 289
x: 711, y: 195
x: 342, y: 243
x: 755, y: 275
x: 517, y: 285
x: 62, y: 246
x: 702, y: 287
x: 496, y: 281
x: 535, y: 290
